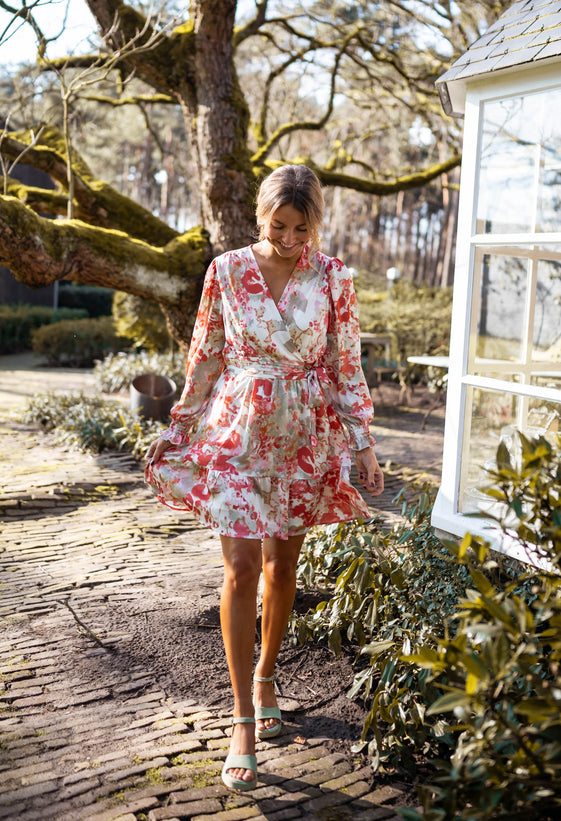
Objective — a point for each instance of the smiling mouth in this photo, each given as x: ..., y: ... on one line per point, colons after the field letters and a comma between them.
x: 281, y: 243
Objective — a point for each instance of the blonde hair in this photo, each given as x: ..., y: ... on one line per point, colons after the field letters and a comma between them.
x: 294, y: 185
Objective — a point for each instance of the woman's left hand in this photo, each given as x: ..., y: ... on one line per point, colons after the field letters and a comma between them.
x: 370, y: 473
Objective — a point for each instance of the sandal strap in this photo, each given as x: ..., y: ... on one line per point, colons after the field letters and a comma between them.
x: 264, y: 678
x: 243, y: 720
x: 241, y: 762
x: 267, y: 712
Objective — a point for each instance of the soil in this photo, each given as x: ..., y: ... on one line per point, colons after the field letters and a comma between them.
x: 175, y: 632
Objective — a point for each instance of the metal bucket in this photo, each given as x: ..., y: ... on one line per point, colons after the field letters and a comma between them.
x: 152, y: 395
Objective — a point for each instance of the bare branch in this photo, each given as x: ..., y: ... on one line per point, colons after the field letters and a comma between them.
x: 253, y: 26
x: 288, y: 128
x: 7, y: 168
x: 94, y: 201
x: 137, y: 99
x: 369, y: 186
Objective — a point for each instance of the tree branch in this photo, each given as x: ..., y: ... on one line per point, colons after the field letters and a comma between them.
x: 39, y: 251
x: 370, y: 186
x: 253, y: 26
x: 167, y: 65
x: 39, y: 199
x: 96, y: 201
x: 288, y: 128
x: 138, y: 99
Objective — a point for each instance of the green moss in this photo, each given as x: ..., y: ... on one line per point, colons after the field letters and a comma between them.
x: 153, y: 776
x: 203, y: 774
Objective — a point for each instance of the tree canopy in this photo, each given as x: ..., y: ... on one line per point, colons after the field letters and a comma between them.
x: 347, y: 89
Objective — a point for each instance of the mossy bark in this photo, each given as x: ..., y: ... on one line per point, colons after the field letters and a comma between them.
x: 39, y: 251
x: 196, y: 61
x: 94, y: 200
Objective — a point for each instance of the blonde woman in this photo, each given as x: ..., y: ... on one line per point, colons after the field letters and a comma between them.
x: 259, y: 448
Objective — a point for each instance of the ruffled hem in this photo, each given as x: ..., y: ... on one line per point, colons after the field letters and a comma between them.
x: 256, y: 507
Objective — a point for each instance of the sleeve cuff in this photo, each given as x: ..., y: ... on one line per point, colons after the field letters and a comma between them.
x: 359, y: 440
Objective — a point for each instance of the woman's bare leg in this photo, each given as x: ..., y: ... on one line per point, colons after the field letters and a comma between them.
x: 238, y: 612
x: 280, y: 558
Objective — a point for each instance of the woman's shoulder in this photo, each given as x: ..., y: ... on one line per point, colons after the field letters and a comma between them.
x: 327, y: 264
x: 233, y: 257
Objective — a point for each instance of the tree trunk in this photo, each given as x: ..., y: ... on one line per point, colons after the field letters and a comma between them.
x: 217, y: 118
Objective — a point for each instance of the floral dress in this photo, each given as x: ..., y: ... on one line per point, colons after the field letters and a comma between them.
x: 274, y: 400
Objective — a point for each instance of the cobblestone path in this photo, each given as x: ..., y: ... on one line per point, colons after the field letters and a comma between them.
x: 87, y: 733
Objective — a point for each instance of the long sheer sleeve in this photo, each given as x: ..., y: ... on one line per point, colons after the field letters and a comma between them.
x: 351, y: 396
x: 204, y: 362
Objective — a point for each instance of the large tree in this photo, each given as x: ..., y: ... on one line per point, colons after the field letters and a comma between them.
x: 376, y: 58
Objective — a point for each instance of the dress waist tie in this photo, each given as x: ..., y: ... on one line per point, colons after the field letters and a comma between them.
x: 313, y: 375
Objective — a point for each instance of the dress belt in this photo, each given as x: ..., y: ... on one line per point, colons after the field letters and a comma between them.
x: 313, y: 375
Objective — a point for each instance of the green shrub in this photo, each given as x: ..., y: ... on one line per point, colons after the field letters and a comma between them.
x: 116, y: 371
x: 463, y: 646
x: 97, y: 301
x: 90, y: 423
x: 418, y: 318
x: 392, y: 590
x: 141, y: 321
x: 77, y: 343
x: 499, y: 675
x: 18, y: 321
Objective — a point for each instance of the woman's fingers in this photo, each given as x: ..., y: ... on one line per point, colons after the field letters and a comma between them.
x: 369, y: 472
x: 157, y: 448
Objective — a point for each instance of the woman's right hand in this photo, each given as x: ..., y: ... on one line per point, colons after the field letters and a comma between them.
x: 157, y: 448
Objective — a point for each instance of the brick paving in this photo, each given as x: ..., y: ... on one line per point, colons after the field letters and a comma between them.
x: 83, y: 738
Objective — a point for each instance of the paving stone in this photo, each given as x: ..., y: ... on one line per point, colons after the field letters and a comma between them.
x: 235, y: 814
x: 192, y: 809
x: 382, y: 795
x: 74, y: 746
x: 120, y: 775
x: 376, y: 814
x: 346, y: 780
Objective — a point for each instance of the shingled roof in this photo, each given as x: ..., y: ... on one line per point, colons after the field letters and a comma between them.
x: 528, y: 32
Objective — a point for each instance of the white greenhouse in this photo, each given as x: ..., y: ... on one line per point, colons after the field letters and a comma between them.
x: 505, y: 353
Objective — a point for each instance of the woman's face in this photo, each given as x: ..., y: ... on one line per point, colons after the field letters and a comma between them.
x: 287, y: 231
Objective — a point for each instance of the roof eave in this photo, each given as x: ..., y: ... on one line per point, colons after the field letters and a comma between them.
x: 452, y: 92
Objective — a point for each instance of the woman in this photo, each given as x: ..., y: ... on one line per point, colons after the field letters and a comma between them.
x: 259, y: 444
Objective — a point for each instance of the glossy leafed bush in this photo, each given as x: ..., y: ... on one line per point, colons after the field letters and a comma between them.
x: 499, y: 675
x: 90, y: 423
x: 392, y: 592
x: 463, y: 648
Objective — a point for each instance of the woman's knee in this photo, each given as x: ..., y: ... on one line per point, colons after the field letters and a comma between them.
x: 279, y: 571
x: 242, y: 568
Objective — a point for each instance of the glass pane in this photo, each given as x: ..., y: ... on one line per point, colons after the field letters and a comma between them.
x: 501, y: 308
x: 494, y: 417
x: 492, y: 414
x: 547, y: 319
x: 543, y: 419
x: 547, y: 380
x: 520, y: 165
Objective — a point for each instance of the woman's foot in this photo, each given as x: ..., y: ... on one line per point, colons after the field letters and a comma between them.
x: 243, y: 743
x: 264, y: 696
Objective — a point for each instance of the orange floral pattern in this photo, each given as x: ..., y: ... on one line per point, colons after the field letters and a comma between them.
x: 274, y: 400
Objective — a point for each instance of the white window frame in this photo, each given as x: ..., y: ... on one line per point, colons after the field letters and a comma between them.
x: 513, y: 83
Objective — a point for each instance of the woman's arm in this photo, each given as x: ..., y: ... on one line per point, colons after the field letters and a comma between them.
x: 204, y: 366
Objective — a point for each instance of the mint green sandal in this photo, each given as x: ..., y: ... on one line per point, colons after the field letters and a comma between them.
x: 262, y: 713
x: 234, y: 762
